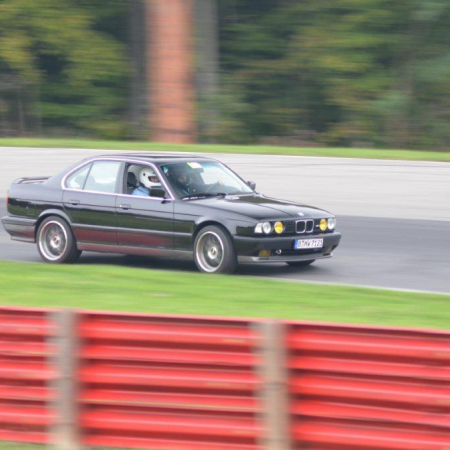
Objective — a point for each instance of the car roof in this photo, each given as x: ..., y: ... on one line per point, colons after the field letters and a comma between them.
x: 155, y: 157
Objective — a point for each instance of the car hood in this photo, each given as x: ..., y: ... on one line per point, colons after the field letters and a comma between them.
x: 259, y: 207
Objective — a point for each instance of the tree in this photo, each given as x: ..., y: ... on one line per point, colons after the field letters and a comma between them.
x: 372, y: 73
x: 74, y: 72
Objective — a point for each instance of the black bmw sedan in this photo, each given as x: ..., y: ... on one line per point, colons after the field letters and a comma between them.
x: 168, y: 206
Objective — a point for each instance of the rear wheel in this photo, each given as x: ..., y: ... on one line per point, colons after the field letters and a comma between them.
x: 301, y: 263
x: 55, y: 241
x: 214, y: 251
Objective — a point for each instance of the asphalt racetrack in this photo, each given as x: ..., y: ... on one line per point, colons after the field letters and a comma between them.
x: 394, y: 215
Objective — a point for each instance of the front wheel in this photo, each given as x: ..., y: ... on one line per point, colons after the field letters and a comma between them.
x: 301, y: 263
x: 55, y: 241
x: 214, y: 251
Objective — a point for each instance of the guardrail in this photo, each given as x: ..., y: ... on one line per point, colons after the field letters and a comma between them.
x: 27, y: 375
x: 77, y: 379
x: 369, y: 388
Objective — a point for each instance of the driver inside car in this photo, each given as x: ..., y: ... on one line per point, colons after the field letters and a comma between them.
x: 147, y: 180
x: 180, y: 179
x: 189, y: 181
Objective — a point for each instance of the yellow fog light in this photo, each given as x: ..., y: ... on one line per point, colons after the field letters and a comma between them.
x: 324, y: 224
x: 264, y: 253
x: 278, y: 227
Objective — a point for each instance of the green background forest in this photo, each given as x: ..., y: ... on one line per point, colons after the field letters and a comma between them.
x: 349, y: 73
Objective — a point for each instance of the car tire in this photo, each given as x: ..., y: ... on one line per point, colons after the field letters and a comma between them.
x: 214, y: 251
x: 55, y: 241
x: 301, y: 263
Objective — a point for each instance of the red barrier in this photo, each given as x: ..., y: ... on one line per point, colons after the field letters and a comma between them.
x: 197, y: 383
x: 368, y: 388
x: 26, y: 375
x: 170, y: 383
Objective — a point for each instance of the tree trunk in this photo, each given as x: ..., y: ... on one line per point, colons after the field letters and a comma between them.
x: 206, y: 22
x: 137, y: 106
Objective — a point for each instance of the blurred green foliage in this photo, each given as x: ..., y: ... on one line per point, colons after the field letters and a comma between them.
x: 341, y: 72
x: 62, y: 66
x: 348, y: 73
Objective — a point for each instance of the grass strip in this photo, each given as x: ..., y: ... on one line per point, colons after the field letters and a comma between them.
x: 168, y: 292
x: 22, y: 446
x: 410, y: 155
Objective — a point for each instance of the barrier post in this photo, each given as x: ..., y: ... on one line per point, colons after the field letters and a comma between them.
x: 274, y: 393
x: 65, y: 433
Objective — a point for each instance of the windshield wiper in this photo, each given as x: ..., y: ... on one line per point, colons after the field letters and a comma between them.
x: 203, y: 195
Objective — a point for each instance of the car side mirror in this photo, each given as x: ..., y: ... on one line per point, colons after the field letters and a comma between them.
x: 252, y: 185
x: 158, y: 192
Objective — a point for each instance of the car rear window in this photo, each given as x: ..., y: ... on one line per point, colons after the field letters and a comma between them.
x: 78, y: 178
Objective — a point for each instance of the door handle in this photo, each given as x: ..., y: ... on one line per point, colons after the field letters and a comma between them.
x: 125, y: 207
x: 74, y: 202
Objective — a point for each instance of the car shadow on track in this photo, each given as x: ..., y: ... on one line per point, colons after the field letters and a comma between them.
x: 266, y: 270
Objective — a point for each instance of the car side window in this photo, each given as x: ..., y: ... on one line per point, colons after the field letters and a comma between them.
x: 103, y: 177
x: 141, y: 180
x: 132, y: 175
x: 78, y: 178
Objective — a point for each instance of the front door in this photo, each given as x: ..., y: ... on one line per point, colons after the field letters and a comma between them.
x: 143, y: 221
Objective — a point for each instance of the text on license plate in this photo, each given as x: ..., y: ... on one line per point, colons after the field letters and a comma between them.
x: 301, y: 244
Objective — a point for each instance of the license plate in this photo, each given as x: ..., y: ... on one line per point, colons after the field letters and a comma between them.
x: 302, y: 244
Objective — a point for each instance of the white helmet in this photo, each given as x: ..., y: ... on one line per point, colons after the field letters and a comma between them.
x: 145, y: 178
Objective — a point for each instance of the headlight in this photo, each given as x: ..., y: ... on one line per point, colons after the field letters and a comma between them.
x: 332, y: 223
x: 267, y: 227
x: 323, y: 225
x: 263, y: 227
x: 278, y: 227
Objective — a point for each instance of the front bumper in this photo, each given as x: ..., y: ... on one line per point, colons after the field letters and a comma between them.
x: 20, y: 228
x: 282, y: 248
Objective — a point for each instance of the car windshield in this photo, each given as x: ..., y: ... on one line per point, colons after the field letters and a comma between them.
x: 198, y: 179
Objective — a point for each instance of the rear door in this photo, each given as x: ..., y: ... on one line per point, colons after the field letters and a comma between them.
x: 90, y: 200
x: 145, y: 222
